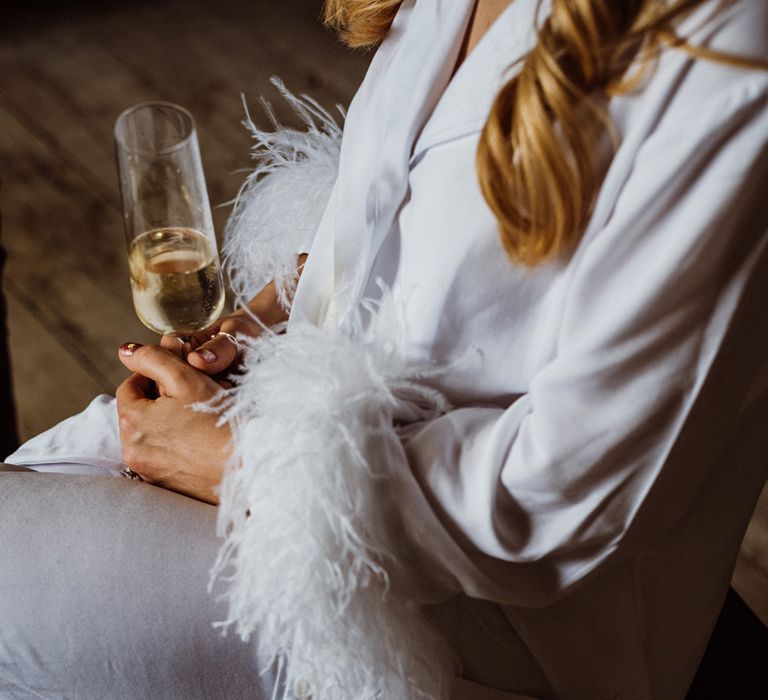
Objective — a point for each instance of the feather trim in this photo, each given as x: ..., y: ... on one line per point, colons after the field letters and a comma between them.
x: 281, y: 202
x: 308, y: 513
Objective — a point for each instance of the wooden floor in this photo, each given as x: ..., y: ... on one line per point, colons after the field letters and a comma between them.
x: 65, y: 74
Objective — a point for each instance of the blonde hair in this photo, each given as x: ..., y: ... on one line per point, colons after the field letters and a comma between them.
x: 361, y: 23
x: 537, y: 161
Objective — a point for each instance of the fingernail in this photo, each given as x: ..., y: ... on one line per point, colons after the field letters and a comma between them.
x: 129, y: 348
x: 207, y: 355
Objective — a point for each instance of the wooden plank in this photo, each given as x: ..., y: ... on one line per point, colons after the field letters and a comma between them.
x: 66, y: 252
x: 298, y: 41
x: 49, y: 383
x: 90, y: 99
x: 72, y: 81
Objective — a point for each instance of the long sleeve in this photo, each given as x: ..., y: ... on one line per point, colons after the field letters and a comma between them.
x: 356, y: 494
x: 517, y: 505
x: 281, y: 202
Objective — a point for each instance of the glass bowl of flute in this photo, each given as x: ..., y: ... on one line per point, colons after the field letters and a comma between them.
x: 173, y: 259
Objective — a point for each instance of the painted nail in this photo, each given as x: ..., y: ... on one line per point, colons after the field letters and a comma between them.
x: 129, y: 348
x: 207, y: 355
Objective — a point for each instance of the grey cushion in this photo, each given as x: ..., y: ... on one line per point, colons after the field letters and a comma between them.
x: 103, y: 595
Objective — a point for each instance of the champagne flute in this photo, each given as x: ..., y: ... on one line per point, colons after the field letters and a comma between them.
x: 172, y: 255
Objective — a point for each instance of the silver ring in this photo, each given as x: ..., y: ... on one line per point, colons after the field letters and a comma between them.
x: 128, y: 473
x: 229, y: 336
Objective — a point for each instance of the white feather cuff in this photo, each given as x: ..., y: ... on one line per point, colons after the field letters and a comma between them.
x: 281, y: 202
x: 309, y: 516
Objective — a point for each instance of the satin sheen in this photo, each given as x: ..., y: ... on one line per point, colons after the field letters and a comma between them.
x: 600, y: 466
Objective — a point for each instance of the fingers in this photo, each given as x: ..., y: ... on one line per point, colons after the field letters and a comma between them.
x: 132, y: 395
x: 179, y: 347
x: 215, y: 355
x: 166, y: 369
x: 175, y: 345
x: 197, y: 339
x: 135, y: 388
x: 220, y: 352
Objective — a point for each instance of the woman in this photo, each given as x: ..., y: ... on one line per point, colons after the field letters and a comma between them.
x: 520, y: 397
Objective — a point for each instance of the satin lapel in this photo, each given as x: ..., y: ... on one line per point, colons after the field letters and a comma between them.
x: 402, y: 87
x: 464, y: 106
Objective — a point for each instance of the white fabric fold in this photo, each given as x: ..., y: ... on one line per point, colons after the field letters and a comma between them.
x: 86, y: 443
x: 373, y: 179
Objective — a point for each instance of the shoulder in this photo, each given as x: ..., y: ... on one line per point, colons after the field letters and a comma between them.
x: 730, y: 29
x: 686, y: 92
x: 735, y: 27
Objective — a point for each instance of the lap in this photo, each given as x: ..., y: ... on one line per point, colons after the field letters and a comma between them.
x: 103, y: 594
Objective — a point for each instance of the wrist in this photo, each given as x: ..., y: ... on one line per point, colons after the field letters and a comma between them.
x: 266, y: 305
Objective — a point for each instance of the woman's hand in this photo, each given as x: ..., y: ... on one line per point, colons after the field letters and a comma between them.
x: 214, y: 354
x: 164, y: 441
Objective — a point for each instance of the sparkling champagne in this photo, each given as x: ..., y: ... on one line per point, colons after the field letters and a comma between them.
x: 176, y: 280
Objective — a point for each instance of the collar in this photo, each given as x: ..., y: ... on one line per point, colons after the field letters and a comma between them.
x: 467, y: 99
x: 407, y: 103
